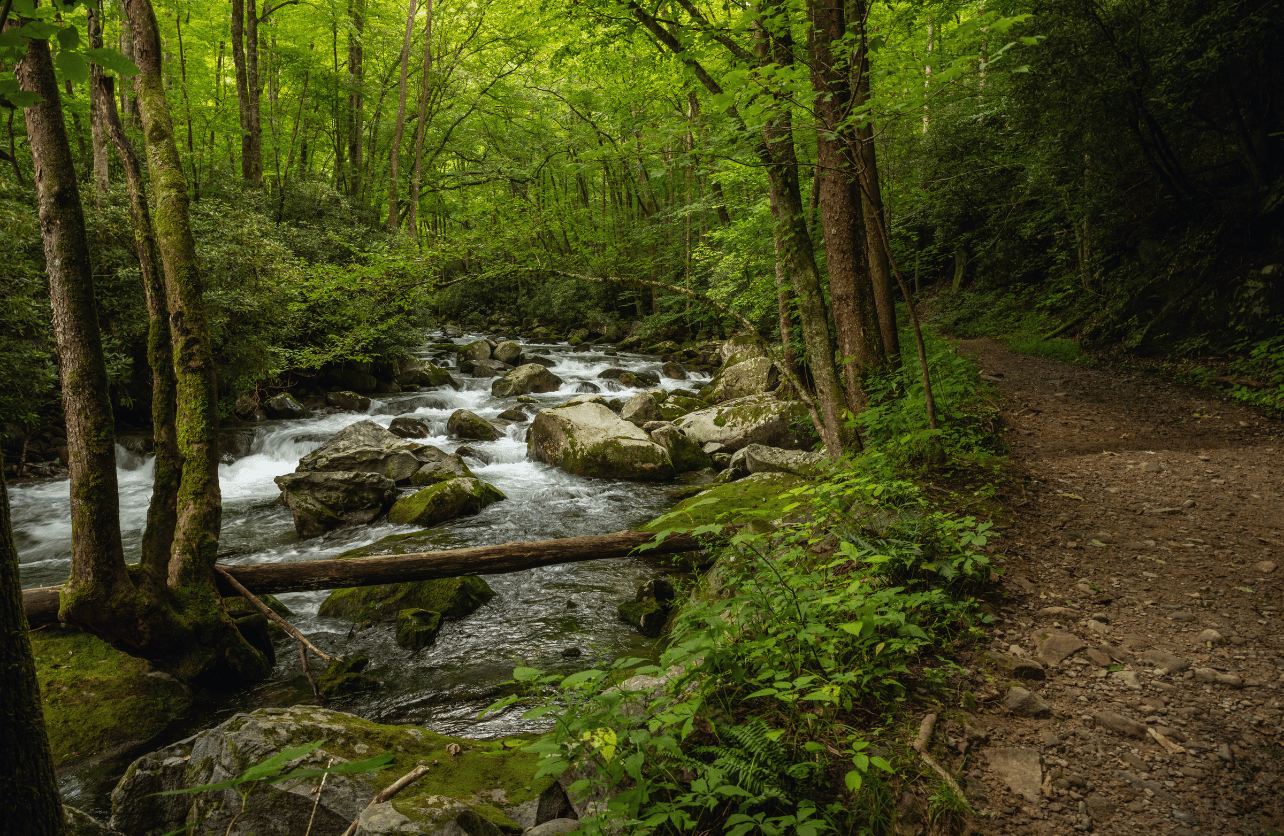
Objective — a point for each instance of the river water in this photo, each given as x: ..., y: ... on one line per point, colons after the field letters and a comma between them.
x: 535, y: 615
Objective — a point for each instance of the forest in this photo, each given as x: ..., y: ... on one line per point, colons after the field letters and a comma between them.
x: 216, y: 218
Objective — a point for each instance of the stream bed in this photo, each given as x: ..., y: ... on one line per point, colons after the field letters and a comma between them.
x: 535, y: 616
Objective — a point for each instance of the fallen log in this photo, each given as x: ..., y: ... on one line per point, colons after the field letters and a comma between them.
x: 41, y: 605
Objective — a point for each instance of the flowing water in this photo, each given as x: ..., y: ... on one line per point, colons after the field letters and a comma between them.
x: 535, y: 614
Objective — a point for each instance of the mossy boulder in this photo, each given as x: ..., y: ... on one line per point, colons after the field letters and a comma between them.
x: 439, y: 466
x: 404, y: 426
x: 476, y: 352
x: 452, y: 597
x: 98, y: 700
x: 416, y: 628
x: 588, y: 439
x: 685, y: 454
x: 507, y: 352
x: 756, y: 419
x: 470, y: 425
x: 345, y: 675
x: 758, y: 497
x: 673, y: 371
x: 444, y: 501
x: 738, y: 349
x: 643, y: 407
x: 416, y: 372
x: 471, y: 783
x: 524, y: 380
x: 284, y: 405
x: 365, y: 447
x: 648, y: 617
x: 752, y: 377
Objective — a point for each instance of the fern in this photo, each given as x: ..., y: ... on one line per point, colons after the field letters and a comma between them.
x: 758, y: 764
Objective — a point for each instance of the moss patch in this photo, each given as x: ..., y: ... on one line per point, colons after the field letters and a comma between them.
x: 452, y: 597
x: 758, y: 497
x: 444, y: 501
x: 96, y: 698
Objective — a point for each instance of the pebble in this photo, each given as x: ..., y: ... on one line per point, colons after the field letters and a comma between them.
x: 1164, y: 662
x: 1097, y: 627
x: 1049, y: 739
x: 1100, y: 658
x: 1020, y: 770
x: 1218, y: 678
x: 1055, y: 648
x: 1265, y: 567
x: 1127, y: 679
x: 1209, y: 636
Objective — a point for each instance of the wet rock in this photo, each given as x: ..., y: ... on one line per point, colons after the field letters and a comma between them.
x: 643, y: 408
x: 350, y: 401
x: 1024, y: 703
x: 524, y: 380
x: 465, y: 424
x: 673, y: 371
x: 406, y: 427
x: 451, y: 597
x: 517, y: 416
x: 476, y: 352
x: 414, y: 372
x: 344, y: 675
x: 588, y: 439
x: 285, y: 406
x: 322, y: 501
x: 364, y: 447
x: 417, y: 628
x: 507, y: 352
x: 80, y: 823
x: 447, y: 500
x: 1019, y: 768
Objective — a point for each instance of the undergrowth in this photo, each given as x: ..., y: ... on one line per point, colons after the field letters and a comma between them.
x: 776, y: 706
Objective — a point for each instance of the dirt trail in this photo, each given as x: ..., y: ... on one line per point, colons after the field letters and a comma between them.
x: 1136, y: 672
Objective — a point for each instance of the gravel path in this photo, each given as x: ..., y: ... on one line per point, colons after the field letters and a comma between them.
x: 1135, y: 678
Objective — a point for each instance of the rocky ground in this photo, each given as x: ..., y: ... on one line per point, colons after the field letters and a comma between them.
x: 1136, y: 672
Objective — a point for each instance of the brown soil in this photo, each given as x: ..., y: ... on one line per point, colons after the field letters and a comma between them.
x: 1148, y: 522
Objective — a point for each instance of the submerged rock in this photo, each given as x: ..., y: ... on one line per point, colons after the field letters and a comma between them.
x: 588, y: 439
x: 417, y: 628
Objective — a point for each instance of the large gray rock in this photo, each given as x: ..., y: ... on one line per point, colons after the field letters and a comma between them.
x: 757, y: 419
x: 285, y: 406
x: 588, y: 439
x: 738, y: 349
x: 365, y: 447
x: 507, y: 352
x: 524, y: 380
x: 643, y: 407
x: 476, y: 352
x: 751, y: 377
x: 484, y: 789
x: 321, y: 501
x: 350, y: 401
x: 413, y: 371
x: 758, y: 458
x: 439, y: 466
x: 465, y: 424
x: 685, y: 454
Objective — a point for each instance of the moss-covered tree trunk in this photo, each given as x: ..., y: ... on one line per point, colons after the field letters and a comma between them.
x: 841, y: 209
x: 356, y: 100
x: 162, y: 514
x: 394, y: 151
x: 29, y: 802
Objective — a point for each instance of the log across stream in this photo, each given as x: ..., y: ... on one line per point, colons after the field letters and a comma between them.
x: 562, y: 604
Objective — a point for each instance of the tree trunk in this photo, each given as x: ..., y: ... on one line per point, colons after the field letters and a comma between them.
x: 421, y: 128
x: 880, y: 270
x: 243, y: 105
x: 97, y: 556
x: 356, y: 79
x: 98, y: 133
x: 274, y: 578
x: 29, y: 801
x: 255, y: 89
x: 162, y: 513
x: 394, y: 153
x: 841, y: 211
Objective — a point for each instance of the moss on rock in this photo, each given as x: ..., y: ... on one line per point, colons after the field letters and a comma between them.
x: 757, y: 497
x: 444, y: 501
x: 452, y: 597
x: 96, y: 698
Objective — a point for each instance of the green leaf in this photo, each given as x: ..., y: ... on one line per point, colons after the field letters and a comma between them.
x: 72, y: 66
x: 68, y: 37
x: 113, y: 62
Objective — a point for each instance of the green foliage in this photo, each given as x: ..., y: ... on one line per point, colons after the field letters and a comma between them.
x: 755, y: 724
x: 27, y: 371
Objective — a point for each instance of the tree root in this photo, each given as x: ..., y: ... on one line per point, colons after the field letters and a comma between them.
x: 920, y: 745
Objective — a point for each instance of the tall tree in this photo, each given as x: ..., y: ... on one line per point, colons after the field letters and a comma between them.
x: 245, y: 52
x: 421, y: 125
x: 394, y: 152
x: 356, y: 96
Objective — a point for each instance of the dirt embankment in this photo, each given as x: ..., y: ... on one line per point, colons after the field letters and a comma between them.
x: 1135, y: 677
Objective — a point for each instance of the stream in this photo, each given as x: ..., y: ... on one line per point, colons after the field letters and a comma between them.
x: 534, y: 617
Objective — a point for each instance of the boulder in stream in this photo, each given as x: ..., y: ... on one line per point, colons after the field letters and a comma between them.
x: 321, y: 501
x: 452, y: 597
x: 756, y: 419
x: 403, y: 426
x: 364, y: 447
x: 684, y: 452
x: 507, y: 352
x: 350, y: 401
x: 465, y: 424
x: 476, y: 352
x: 524, y: 380
x: 643, y: 407
x: 673, y: 371
x: 412, y: 371
x: 416, y: 628
x: 444, y: 501
x: 439, y: 466
x: 285, y: 406
x: 588, y: 439
x: 488, y: 787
